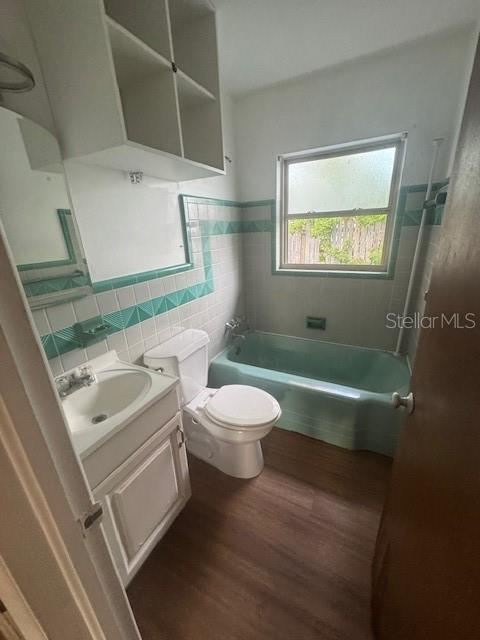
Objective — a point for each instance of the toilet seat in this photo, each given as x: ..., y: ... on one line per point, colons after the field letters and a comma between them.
x: 238, y: 406
x: 241, y: 422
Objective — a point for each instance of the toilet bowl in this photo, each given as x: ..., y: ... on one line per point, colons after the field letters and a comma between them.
x: 223, y: 426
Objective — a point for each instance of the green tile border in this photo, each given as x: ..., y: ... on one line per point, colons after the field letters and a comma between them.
x: 65, y: 340
x: 54, y: 285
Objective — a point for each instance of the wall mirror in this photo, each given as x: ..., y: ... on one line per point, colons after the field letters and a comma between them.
x: 37, y: 215
x: 132, y: 225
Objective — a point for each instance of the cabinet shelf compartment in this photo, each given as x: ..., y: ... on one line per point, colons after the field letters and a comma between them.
x: 201, y: 130
x: 190, y: 92
x: 194, y: 40
x: 145, y: 19
x: 147, y: 92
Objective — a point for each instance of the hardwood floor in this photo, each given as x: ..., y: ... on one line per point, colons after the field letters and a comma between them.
x: 285, y: 556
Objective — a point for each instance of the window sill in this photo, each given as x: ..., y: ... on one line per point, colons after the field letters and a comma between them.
x: 332, y: 273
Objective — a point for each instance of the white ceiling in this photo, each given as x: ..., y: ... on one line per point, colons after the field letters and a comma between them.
x: 262, y: 42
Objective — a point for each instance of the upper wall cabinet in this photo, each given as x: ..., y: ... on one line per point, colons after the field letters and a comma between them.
x: 134, y: 85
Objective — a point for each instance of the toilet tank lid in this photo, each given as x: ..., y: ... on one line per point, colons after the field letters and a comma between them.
x: 179, y: 346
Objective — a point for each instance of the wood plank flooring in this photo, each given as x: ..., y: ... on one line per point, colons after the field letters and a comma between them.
x: 285, y: 556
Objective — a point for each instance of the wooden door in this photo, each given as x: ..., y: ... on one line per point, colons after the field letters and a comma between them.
x: 426, y: 573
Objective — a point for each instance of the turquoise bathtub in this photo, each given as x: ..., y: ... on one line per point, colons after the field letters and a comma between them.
x: 333, y: 392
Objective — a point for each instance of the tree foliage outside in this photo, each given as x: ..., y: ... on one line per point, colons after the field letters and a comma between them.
x: 324, y: 229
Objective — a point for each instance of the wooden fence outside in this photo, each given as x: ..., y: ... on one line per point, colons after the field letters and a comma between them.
x: 360, y: 241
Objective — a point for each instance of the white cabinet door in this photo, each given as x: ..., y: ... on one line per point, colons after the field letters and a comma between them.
x: 143, y: 496
x: 140, y: 503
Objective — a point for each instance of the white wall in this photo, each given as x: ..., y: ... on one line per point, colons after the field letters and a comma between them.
x: 420, y: 89
x: 417, y: 88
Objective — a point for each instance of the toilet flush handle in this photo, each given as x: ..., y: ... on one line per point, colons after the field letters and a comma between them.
x: 203, y: 403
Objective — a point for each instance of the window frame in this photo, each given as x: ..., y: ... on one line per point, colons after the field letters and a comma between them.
x: 284, y: 161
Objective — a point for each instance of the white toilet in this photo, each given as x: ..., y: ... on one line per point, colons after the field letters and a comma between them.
x: 223, y: 426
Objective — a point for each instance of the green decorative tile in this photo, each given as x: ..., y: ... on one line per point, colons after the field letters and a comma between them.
x: 65, y: 340
x: 184, y: 296
x: 159, y: 305
x: 100, y: 287
x: 48, y: 344
x: 54, y: 285
x: 116, y: 319
x: 172, y: 300
x: 122, y: 319
x: 207, y: 258
x: 197, y: 290
x: 132, y: 317
x: 145, y: 310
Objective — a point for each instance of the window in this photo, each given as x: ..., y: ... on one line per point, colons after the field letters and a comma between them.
x: 337, y: 206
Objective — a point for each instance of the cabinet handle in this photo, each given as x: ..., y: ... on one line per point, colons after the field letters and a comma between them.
x: 182, y: 438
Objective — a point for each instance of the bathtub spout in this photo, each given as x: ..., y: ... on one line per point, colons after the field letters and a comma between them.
x: 234, y: 330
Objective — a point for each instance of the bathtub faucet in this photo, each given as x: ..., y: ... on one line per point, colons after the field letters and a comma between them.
x: 237, y: 327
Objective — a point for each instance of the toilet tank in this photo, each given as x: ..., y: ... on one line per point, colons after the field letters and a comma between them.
x: 185, y: 356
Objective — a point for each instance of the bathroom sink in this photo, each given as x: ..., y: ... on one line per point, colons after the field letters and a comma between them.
x: 113, y: 392
x: 122, y: 392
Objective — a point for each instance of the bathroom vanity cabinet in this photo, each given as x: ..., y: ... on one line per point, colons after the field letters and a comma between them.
x: 143, y: 496
x: 134, y: 85
x: 134, y: 457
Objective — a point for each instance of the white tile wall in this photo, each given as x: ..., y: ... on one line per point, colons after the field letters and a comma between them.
x: 355, y: 308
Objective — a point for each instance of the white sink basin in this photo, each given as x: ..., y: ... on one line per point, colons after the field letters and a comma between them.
x: 122, y: 392
x: 113, y: 392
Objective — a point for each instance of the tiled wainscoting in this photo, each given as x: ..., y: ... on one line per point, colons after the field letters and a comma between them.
x: 232, y: 274
x: 355, y: 307
x: 146, y: 313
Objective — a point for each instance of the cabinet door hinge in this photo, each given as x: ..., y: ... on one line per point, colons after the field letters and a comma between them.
x: 93, y: 515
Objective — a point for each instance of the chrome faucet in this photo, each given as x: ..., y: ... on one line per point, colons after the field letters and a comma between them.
x: 81, y: 377
x: 234, y: 330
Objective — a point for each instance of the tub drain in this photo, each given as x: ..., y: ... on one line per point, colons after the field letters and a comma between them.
x: 100, y: 418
